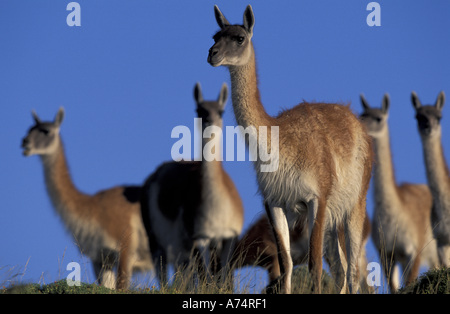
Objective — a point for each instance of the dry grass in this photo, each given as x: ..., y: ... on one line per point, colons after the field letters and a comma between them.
x: 434, y: 281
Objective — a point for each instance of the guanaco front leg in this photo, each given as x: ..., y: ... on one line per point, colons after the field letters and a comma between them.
x: 280, y: 229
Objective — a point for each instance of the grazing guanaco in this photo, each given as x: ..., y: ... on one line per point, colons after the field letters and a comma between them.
x: 257, y: 247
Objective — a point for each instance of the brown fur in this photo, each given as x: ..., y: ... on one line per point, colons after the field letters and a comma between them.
x: 257, y: 247
x: 401, y: 224
x: 325, y: 158
x: 107, y: 226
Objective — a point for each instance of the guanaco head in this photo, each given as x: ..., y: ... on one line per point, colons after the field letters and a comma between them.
x: 210, y: 111
x: 43, y: 137
x: 375, y: 119
x: 233, y: 42
x: 428, y: 116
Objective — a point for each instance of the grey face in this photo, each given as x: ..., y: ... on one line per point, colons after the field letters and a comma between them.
x: 230, y: 44
x: 42, y: 138
x: 428, y: 117
x: 233, y: 42
x: 375, y: 119
x: 210, y: 111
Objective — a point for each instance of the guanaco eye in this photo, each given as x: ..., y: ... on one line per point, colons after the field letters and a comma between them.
x: 240, y: 40
x: 44, y: 131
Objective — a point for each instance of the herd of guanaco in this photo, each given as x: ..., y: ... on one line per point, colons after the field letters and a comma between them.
x: 190, y: 214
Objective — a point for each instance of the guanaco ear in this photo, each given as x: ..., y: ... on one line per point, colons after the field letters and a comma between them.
x: 223, y: 96
x: 386, y: 103
x: 364, y: 102
x: 198, y: 94
x: 220, y: 18
x: 59, y: 116
x: 440, y: 101
x: 35, y: 117
x: 249, y: 19
x: 415, y: 100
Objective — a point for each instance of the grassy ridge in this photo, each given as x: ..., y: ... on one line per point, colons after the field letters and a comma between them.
x: 435, y: 281
x: 180, y: 285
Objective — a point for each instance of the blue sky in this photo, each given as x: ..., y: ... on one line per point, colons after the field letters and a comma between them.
x: 126, y: 76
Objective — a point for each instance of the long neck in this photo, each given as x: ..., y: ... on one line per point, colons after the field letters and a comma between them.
x: 247, y: 105
x: 436, y: 167
x: 385, y: 186
x: 212, y: 169
x: 64, y: 195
